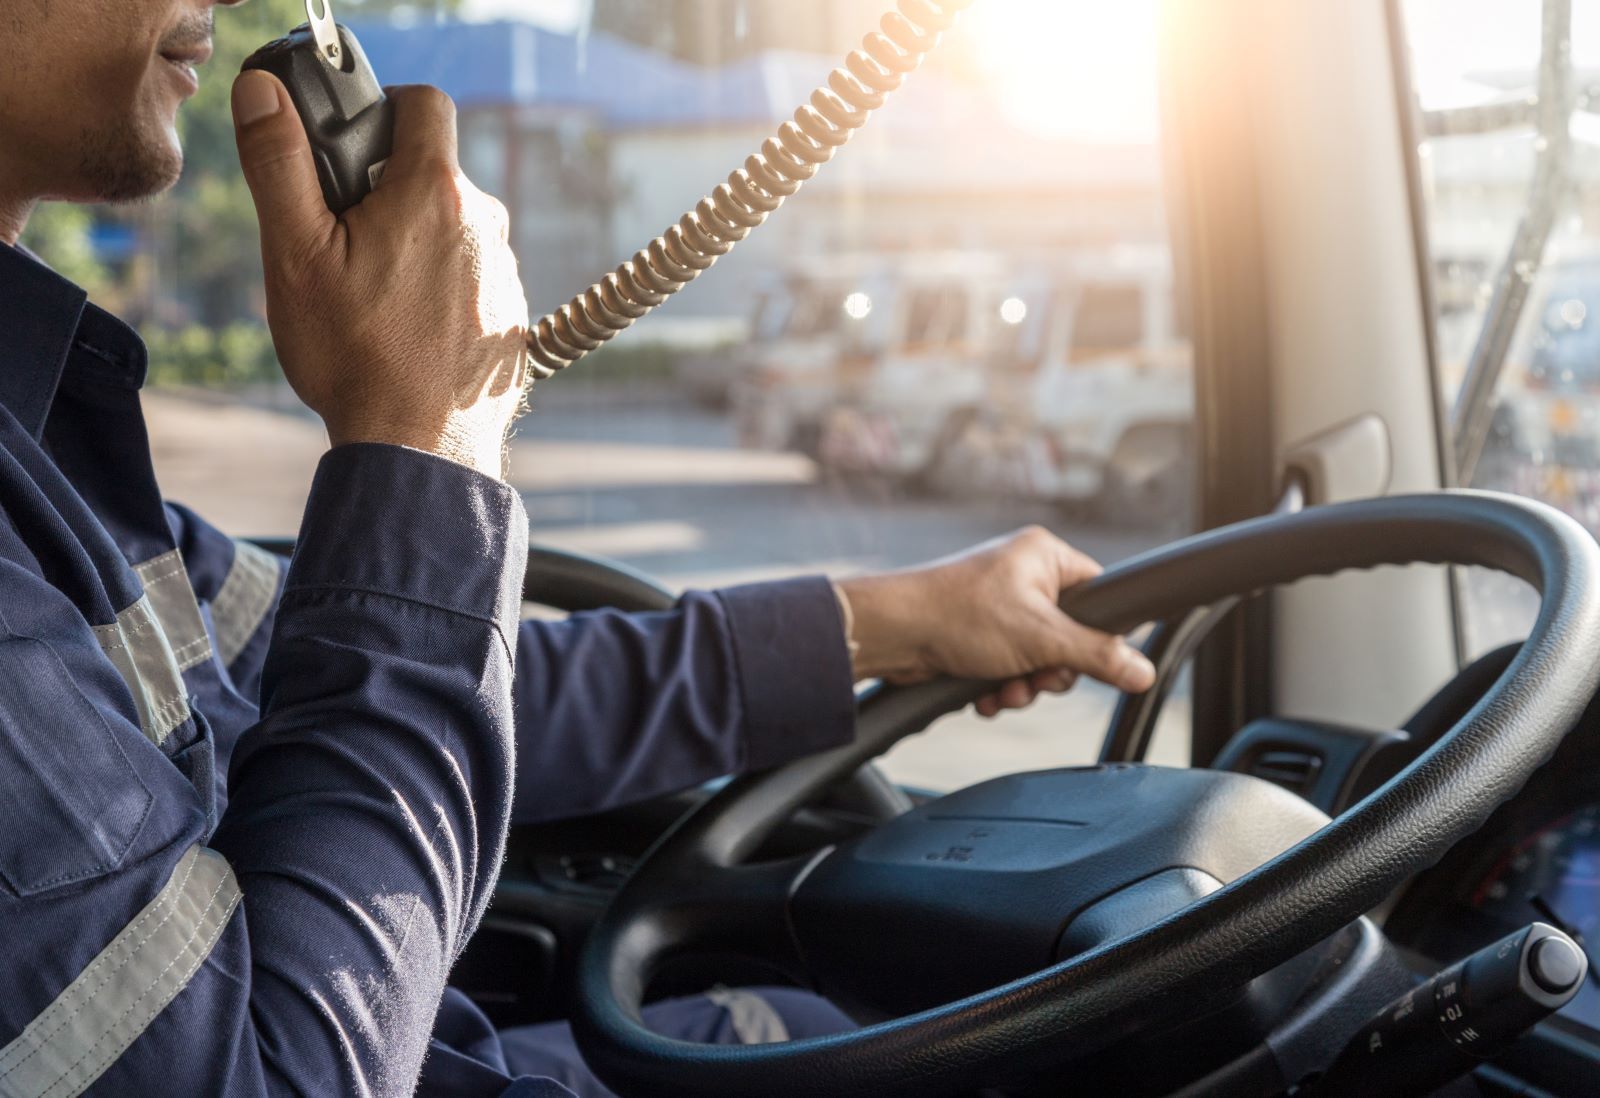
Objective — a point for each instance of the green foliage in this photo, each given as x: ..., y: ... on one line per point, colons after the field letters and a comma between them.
x: 212, y: 219
x: 59, y: 233
x: 232, y: 355
x: 211, y: 260
x: 215, y: 241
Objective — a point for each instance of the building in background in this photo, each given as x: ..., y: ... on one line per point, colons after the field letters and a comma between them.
x: 597, y: 144
x: 716, y: 32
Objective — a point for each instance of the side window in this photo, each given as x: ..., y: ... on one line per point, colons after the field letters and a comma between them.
x: 1505, y: 162
x: 925, y: 348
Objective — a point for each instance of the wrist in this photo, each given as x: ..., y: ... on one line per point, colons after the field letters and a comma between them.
x: 888, y: 635
x: 452, y: 440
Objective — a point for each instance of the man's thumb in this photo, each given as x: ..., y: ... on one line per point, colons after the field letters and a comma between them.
x: 277, y: 163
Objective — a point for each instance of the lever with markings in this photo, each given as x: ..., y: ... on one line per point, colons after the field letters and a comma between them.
x: 1467, y: 1013
x: 348, y: 119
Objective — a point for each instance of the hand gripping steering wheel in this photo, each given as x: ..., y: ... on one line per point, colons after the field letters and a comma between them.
x: 1096, y: 898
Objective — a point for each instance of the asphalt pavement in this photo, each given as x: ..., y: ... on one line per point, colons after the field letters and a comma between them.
x: 643, y: 476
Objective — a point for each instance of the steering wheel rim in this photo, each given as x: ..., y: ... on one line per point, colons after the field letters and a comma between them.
x: 1252, y: 924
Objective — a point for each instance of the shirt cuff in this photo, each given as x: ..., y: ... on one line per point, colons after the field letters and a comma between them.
x: 411, y: 525
x: 793, y: 668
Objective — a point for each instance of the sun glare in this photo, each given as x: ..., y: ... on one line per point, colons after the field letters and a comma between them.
x: 1083, y: 69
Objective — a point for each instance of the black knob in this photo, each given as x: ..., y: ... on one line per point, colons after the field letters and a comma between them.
x: 1555, y: 965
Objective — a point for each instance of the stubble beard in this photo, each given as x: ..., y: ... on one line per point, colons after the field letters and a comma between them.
x: 120, y: 165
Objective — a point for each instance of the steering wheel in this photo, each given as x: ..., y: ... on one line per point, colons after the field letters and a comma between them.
x: 1098, y: 898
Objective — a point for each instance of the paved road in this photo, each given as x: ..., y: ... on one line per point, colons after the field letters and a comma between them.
x: 659, y: 484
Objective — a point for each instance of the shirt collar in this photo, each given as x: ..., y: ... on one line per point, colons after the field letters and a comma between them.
x: 44, y: 318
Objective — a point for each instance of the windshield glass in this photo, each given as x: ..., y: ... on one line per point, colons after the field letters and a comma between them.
x: 1507, y: 160
x: 877, y: 376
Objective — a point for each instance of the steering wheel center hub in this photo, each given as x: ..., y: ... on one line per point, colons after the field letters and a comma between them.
x: 1004, y: 878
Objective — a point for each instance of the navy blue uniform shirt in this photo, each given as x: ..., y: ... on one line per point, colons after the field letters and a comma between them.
x: 250, y: 815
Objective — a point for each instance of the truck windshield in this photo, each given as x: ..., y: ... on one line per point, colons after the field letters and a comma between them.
x: 876, y: 377
x: 1506, y: 157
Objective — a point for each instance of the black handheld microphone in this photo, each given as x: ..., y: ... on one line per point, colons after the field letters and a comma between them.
x: 346, y: 115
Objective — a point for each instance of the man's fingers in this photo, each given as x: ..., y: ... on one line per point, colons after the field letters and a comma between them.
x: 1054, y: 681
x: 1016, y: 694
x: 277, y: 163
x: 1023, y: 692
x: 1110, y: 659
x: 1074, y: 565
x: 424, y: 128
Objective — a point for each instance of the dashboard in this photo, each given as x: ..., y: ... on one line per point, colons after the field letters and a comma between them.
x: 1548, y: 870
x: 1537, y: 858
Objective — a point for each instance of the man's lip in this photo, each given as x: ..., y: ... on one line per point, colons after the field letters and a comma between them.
x: 197, y: 54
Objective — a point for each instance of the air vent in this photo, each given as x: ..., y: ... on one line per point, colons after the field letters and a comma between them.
x: 1296, y: 771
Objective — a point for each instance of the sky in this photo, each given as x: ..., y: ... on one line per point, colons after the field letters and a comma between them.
x: 1087, y: 68
x: 1071, y: 68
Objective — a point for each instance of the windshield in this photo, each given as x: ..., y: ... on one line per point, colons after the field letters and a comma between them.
x: 867, y: 382
x: 1108, y: 319
x: 1506, y: 161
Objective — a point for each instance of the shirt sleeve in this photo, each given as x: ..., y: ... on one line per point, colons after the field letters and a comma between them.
x: 303, y: 947
x: 368, y: 809
x: 239, y: 585
x: 613, y: 707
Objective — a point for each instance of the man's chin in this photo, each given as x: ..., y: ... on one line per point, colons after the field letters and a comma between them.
x: 122, y: 168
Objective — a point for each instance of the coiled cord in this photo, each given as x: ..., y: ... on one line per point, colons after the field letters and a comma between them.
x: 723, y: 218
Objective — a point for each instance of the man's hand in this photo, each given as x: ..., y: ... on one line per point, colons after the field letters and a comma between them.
x: 989, y: 613
x: 404, y: 321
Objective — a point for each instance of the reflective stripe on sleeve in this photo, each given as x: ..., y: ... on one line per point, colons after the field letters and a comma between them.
x: 245, y: 598
x: 72, y: 1042
x: 166, y: 585
x: 754, y: 1020
x: 138, y: 646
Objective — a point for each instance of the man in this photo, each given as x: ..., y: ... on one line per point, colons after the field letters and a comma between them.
x: 249, y: 818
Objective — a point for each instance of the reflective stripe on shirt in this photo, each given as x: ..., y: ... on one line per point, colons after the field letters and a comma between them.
x: 245, y: 598
x: 754, y: 1020
x: 138, y: 646
x: 166, y: 584
x: 72, y: 1042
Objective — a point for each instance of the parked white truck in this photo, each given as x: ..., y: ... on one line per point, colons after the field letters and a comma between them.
x: 1069, y: 383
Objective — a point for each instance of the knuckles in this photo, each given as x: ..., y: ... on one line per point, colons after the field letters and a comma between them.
x: 441, y: 191
x: 427, y: 99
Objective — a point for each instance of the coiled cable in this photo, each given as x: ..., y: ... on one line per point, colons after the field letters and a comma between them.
x: 724, y: 217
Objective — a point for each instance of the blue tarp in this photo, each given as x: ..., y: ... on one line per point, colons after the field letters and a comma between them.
x: 624, y: 85
x: 517, y: 64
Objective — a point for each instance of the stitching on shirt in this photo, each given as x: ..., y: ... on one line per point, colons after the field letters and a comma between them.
x: 138, y: 624
x: 200, y: 956
x: 109, y: 357
x: 39, y: 1041
x: 173, y: 709
x: 198, y: 647
x: 197, y: 643
x: 337, y: 588
x: 244, y: 601
x: 151, y: 581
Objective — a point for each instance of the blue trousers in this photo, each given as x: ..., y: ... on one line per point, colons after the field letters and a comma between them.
x: 720, y: 1017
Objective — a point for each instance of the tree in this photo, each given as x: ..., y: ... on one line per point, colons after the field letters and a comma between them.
x: 59, y: 232
x: 203, y: 232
